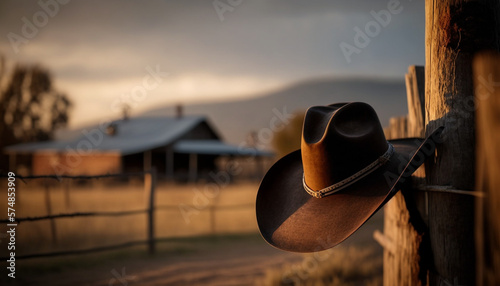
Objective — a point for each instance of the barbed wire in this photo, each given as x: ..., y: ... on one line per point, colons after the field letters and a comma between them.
x: 122, y: 213
x: 101, y: 213
x: 19, y: 220
x: 448, y: 189
x: 83, y: 177
x: 79, y: 251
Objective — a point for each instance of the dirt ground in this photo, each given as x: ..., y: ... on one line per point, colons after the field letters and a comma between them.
x: 237, y: 255
x: 221, y: 260
x: 224, y: 260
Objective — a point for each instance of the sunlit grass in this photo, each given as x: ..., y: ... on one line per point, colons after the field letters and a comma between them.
x: 337, y: 266
x: 344, y: 265
x: 173, y: 248
x: 87, y: 232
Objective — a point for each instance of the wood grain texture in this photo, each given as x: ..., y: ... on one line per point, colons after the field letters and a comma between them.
x: 402, y: 239
x: 149, y: 190
x: 415, y: 93
x: 487, y: 94
x: 455, y: 31
x: 402, y: 265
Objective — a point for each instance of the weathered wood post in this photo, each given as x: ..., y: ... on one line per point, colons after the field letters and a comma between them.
x: 211, y: 212
x: 403, y: 233
x: 487, y: 95
x: 149, y: 186
x: 455, y: 30
x: 48, y: 207
x: 415, y: 95
x: 415, y: 90
x: 67, y: 196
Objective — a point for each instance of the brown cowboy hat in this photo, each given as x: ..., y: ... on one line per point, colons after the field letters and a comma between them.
x: 314, y: 198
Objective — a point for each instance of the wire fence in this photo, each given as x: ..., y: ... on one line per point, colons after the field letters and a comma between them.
x: 150, y: 187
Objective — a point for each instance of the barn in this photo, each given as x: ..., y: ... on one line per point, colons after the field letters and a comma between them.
x: 184, y: 148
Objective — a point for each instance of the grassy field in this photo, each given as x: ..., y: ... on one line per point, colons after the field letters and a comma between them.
x: 200, y: 260
x: 208, y: 236
x: 338, y: 266
x: 243, y: 259
x: 194, y: 210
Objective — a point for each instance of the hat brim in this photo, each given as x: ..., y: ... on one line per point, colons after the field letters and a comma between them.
x: 290, y: 219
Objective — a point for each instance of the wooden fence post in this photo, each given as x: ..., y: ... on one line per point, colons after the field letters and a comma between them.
x: 455, y: 30
x: 211, y: 212
x: 403, y: 233
x: 415, y: 87
x: 149, y: 185
x: 487, y: 95
x: 67, y: 196
x: 415, y: 95
x: 48, y: 206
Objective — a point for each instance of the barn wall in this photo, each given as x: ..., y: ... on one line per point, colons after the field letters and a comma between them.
x: 45, y: 163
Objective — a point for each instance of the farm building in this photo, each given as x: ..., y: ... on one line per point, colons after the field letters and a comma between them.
x: 182, y: 148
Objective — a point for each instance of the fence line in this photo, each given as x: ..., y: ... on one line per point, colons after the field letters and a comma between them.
x: 63, y: 215
x: 449, y: 189
x: 122, y: 213
x: 80, y: 251
x: 149, y: 183
x: 84, y: 177
x: 150, y: 186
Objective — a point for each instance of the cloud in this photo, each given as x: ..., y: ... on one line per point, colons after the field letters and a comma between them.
x: 101, y: 47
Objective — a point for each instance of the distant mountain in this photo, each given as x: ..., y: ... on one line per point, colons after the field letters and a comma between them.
x: 235, y: 119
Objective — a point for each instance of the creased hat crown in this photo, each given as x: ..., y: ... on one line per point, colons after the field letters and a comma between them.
x: 338, y: 141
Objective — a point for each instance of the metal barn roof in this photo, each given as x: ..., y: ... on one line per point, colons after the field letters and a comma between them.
x: 139, y: 134
x: 132, y: 136
x: 216, y: 147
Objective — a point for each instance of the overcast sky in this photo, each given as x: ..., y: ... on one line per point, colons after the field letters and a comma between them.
x: 99, y: 51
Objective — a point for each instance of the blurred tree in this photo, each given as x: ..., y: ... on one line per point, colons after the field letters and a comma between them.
x: 30, y: 108
x: 287, y: 139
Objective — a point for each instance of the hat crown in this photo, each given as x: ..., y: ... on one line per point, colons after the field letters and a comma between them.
x: 338, y: 141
